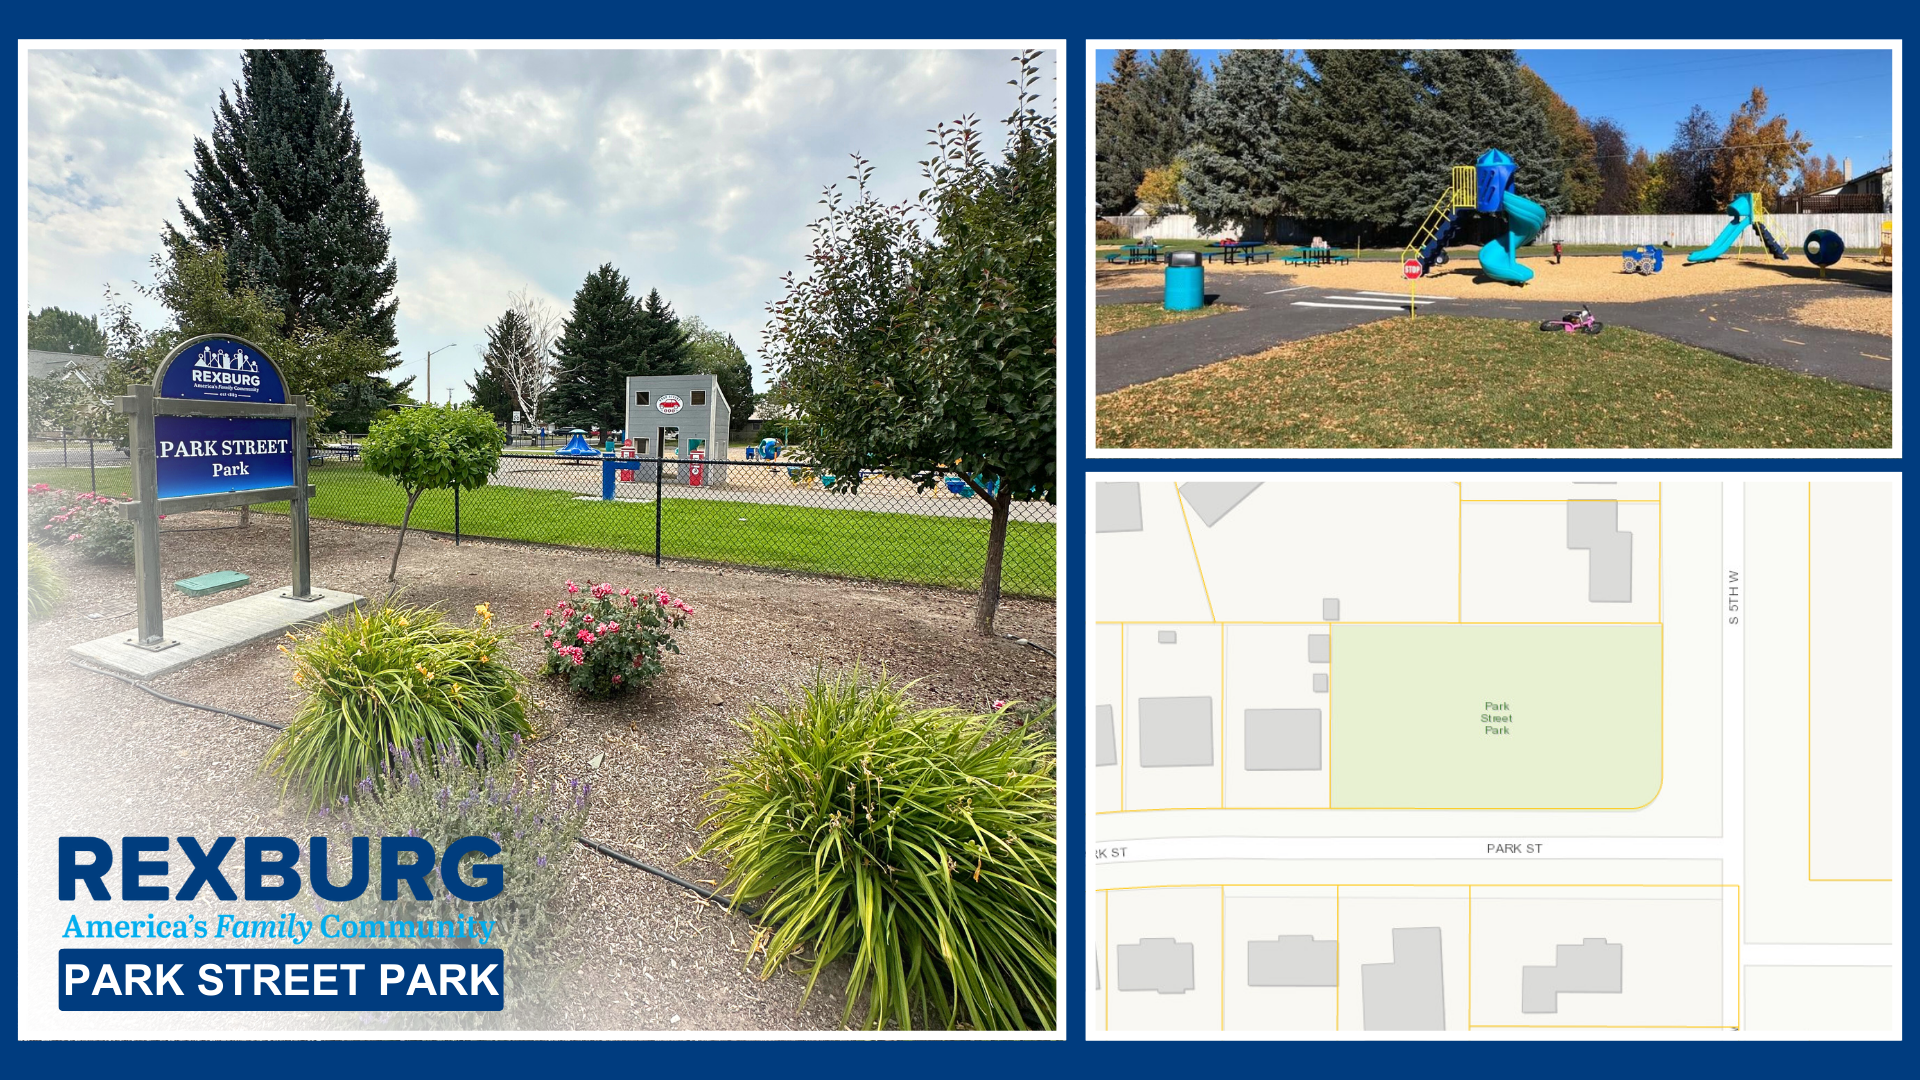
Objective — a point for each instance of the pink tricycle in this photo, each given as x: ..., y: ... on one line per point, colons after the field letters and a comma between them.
x: 1574, y: 322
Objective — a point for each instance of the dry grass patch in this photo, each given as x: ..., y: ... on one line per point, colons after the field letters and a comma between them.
x: 1115, y: 318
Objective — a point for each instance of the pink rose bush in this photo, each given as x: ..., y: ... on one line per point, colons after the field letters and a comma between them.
x: 610, y: 640
x: 85, y: 520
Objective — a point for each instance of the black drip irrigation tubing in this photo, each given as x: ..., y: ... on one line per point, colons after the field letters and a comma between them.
x: 138, y: 685
x: 728, y: 902
x: 1023, y: 641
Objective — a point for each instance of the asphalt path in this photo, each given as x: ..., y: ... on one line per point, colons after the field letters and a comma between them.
x: 1752, y: 325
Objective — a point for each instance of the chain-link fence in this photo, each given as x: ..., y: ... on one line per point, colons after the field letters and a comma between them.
x: 779, y: 514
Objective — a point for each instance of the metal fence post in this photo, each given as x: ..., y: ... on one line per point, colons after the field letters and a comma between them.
x: 93, y: 478
x: 659, y: 470
x: 456, y: 515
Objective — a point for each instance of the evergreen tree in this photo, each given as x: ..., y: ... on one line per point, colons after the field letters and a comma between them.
x: 1118, y: 128
x: 1470, y: 101
x: 1166, y: 93
x: 1237, y: 169
x: 282, y: 190
x: 489, y: 394
x: 598, y: 343
x: 1579, y: 169
x: 359, y: 402
x: 58, y: 330
x: 1343, y: 134
x: 660, y: 347
x: 718, y: 355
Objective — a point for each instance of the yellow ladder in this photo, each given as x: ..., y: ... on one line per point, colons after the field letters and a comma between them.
x: 1460, y: 193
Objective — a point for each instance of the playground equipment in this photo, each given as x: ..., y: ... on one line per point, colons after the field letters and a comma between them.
x: 770, y: 449
x: 1485, y: 187
x: 577, y: 446
x: 1573, y: 322
x: 1645, y: 259
x: 1744, y: 212
x: 1823, y: 248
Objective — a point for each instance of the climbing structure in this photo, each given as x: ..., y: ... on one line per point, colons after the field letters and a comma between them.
x: 1484, y: 187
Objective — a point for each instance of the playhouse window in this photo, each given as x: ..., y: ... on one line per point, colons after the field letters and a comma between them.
x: 640, y: 397
x: 699, y: 397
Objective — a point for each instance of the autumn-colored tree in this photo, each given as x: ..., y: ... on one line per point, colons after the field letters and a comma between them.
x: 1159, y: 193
x: 1647, y: 178
x: 1817, y: 174
x: 1580, y: 173
x: 1760, y: 155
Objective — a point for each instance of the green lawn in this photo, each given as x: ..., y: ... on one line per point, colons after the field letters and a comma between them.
x: 1454, y: 382
x: 849, y: 543
x: 1114, y: 318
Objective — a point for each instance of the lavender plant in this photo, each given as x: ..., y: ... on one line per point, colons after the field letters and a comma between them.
x: 446, y: 792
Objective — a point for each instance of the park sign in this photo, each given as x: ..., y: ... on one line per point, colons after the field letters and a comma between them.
x: 216, y: 428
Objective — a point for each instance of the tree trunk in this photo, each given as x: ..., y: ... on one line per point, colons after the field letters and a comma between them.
x: 404, y: 518
x: 989, y: 602
x: 246, y: 511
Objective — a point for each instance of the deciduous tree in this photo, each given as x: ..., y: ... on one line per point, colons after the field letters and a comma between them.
x: 430, y: 447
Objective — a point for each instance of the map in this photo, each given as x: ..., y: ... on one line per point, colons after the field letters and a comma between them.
x: 1517, y: 757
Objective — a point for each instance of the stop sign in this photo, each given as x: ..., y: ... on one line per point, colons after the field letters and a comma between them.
x: 1410, y: 269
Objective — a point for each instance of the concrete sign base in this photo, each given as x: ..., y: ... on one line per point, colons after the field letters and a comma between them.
x: 213, y: 630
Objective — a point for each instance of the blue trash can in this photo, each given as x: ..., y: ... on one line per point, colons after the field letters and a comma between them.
x: 1186, y: 282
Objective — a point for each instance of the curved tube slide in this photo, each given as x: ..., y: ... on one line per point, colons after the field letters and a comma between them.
x: 1525, y: 220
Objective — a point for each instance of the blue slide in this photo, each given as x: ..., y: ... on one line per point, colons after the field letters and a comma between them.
x: 1740, y: 210
x: 1525, y: 219
x: 1720, y: 243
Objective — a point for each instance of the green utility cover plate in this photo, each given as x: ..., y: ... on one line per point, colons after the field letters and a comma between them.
x: 208, y: 584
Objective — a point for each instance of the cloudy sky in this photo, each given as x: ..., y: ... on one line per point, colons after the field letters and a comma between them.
x: 696, y: 173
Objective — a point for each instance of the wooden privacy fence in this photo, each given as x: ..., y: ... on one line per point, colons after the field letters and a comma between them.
x: 1860, y: 232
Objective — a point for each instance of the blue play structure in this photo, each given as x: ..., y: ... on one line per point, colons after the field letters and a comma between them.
x: 1645, y: 259
x: 770, y: 449
x: 577, y: 446
x: 1485, y: 187
x: 1824, y: 248
x: 1743, y: 213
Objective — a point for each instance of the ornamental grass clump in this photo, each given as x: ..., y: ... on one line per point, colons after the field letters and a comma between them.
x: 45, y: 586
x: 384, y: 678
x: 610, y: 641
x: 918, y: 843
x: 444, y: 793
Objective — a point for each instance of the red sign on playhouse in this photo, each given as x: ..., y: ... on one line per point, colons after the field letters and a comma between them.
x: 1410, y: 269
x: 669, y: 404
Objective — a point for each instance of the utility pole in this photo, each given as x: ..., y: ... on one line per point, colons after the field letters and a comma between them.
x: 430, y: 352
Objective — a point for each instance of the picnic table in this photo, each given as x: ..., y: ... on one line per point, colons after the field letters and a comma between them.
x: 1250, y: 250
x: 1133, y: 253
x: 1309, y: 255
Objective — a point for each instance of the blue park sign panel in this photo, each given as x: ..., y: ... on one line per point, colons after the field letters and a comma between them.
x: 201, y: 455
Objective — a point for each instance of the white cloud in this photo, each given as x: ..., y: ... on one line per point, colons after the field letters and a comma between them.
x: 695, y: 173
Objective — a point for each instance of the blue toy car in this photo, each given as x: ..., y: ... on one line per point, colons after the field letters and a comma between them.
x: 1645, y: 259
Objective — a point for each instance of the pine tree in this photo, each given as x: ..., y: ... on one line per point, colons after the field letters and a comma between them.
x: 1473, y: 100
x: 1237, y: 172
x: 598, y: 343
x: 1166, y: 93
x: 489, y: 392
x: 1617, y: 194
x: 1343, y: 133
x: 1117, y: 128
x: 661, y: 343
x: 282, y: 190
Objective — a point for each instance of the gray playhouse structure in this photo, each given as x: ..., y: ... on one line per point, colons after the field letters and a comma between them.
x: 675, y: 415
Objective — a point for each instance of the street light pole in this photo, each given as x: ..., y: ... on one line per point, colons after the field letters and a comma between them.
x: 430, y: 353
